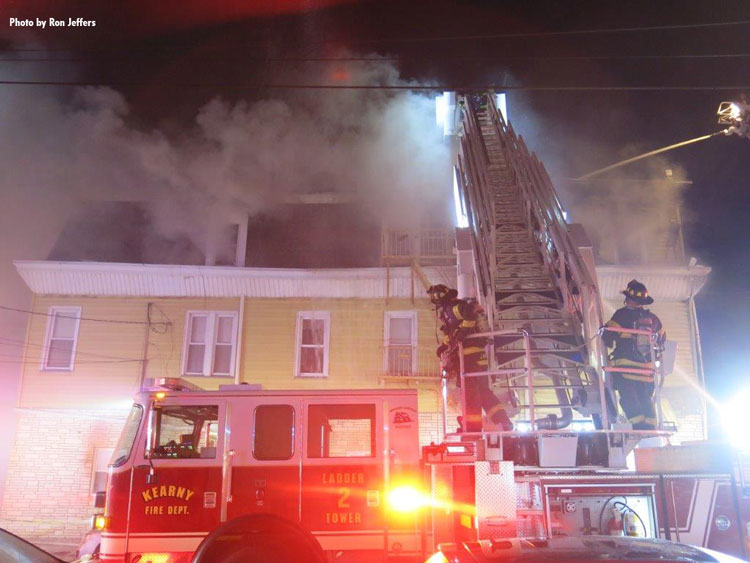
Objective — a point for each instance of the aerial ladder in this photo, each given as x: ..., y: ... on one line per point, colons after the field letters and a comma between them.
x: 564, y: 468
x: 539, y: 292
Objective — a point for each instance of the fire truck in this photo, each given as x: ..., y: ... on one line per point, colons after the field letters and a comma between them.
x: 331, y: 463
x: 337, y: 476
x: 246, y: 474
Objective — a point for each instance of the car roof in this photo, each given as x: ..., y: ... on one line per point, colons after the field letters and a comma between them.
x: 587, y: 548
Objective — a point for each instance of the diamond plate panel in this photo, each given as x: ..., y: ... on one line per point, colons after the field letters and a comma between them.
x: 495, y: 499
x: 442, y: 493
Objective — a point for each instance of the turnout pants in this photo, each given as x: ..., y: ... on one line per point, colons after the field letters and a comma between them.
x: 635, y: 400
x: 478, y: 395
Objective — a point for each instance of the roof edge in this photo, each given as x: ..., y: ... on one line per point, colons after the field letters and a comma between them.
x: 156, y: 280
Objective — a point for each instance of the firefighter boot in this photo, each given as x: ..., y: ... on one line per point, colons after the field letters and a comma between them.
x: 497, y: 419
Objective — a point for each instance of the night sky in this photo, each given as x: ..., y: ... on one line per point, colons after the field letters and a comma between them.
x: 168, y: 63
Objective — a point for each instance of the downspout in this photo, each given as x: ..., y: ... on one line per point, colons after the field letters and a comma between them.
x: 240, y: 326
x: 144, y: 357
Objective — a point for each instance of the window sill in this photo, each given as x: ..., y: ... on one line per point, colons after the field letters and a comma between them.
x: 311, y: 375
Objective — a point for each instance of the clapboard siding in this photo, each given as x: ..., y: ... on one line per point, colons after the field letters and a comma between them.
x: 109, y: 354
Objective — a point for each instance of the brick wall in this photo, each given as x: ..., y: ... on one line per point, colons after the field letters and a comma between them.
x: 47, y: 494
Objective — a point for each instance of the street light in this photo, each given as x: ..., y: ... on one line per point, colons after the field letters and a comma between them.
x: 737, y: 116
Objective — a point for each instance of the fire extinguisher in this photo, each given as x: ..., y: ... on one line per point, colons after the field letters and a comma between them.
x: 615, y: 525
x: 630, y: 524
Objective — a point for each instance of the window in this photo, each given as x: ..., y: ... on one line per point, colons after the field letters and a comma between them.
x: 273, y: 435
x: 61, y: 338
x: 400, y: 342
x: 210, y: 343
x: 127, y: 438
x: 341, y: 431
x: 313, y: 334
x: 185, y: 431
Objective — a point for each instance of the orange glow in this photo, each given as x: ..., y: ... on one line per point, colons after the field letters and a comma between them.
x: 153, y: 558
x: 100, y: 522
x: 160, y: 395
x: 340, y: 75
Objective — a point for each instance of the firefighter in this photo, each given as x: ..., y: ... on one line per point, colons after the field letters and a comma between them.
x: 460, y: 319
x: 636, y: 388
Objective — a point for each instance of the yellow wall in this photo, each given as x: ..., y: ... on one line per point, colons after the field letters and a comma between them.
x: 108, y: 358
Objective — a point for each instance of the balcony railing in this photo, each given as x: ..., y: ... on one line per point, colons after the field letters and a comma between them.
x: 405, y: 361
x: 427, y: 245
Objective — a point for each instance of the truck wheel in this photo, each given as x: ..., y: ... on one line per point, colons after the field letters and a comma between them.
x: 259, y: 537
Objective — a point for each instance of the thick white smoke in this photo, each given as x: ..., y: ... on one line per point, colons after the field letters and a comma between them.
x: 65, y: 148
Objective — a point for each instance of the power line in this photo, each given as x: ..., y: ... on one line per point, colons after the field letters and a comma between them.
x: 42, y: 347
x: 86, y: 362
x: 113, y: 321
x: 413, y: 87
x: 556, y: 33
x: 593, y: 31
x: 699, y: 56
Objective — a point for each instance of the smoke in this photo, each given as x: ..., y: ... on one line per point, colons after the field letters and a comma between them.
x: 65, y: 148
x: 632, y: 214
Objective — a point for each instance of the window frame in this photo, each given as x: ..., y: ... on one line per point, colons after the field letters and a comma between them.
x: 387, y: 332
x: 210, y: 343
x: 325, y: 316
x: 52, y: 317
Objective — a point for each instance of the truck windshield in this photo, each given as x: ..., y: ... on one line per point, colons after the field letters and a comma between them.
x: 185, y: 431
x: 127, y: 438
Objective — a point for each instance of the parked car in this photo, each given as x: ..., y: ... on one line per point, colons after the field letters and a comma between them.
x: 612, y: 549
x: 17, y: 550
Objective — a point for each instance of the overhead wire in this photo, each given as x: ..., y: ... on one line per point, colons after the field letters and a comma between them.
x: 510, y: 35
x: 412, y: 87
x: 113, y: 321
x: 43, y: 347
x: 501, y: 58
x: 594, y: 31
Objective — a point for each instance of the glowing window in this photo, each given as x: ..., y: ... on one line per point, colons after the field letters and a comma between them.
x: 341, y: 431
x: 313, y: 336
x: 210, y: 343
x: 61, y: 338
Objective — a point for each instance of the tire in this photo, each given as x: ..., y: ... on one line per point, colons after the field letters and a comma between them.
x: 259, y: 538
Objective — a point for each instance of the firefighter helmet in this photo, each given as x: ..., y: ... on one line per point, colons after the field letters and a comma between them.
x: 637, y: 293
x: 441, y: 292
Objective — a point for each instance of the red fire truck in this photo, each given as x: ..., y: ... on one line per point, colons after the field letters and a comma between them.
x: 328, y: 463
x: 253, y: 474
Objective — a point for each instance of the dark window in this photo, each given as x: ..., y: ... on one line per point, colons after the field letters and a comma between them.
x: 273, y: 435
x: 341, y: 431
x: 185, y: 431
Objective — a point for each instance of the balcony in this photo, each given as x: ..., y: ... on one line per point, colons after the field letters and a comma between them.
x: 403, y: 362
x: 429, y: 246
